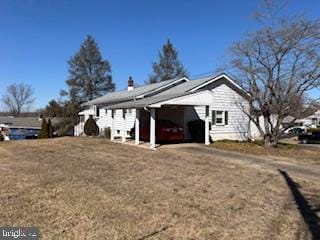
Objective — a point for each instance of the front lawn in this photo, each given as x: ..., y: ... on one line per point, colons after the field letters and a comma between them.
x: 87, y: 188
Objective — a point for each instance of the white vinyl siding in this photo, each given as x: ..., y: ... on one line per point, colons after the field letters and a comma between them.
x: 129, y: 119
x: 104, y: 120
x: 224, y: 99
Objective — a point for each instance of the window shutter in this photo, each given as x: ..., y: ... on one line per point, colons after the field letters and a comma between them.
x: 226, y: 118
x: 97, y: 111
x: 213, y: 117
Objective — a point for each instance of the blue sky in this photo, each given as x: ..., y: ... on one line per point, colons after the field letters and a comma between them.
x: 39, y: 36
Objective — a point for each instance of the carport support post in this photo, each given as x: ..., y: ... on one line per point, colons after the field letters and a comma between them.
x: 137, y: 127
x: 207, y: 140
x: 124, y: 125
x: 153, y: 128
x: 112, y: 126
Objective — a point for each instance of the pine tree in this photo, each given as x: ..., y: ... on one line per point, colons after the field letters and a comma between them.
x: 89, y: 74
x: 44, y: 133
x: 169, y: 66
x: 50, y: 129
x: 53, y: 109
x: 68, y: 119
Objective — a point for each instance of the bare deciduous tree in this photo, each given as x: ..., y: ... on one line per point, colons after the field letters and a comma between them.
x: 17, y: 98
x: 278, y: 65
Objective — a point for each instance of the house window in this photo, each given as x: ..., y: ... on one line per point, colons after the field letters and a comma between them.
x: 81, y: 118
x: 314, y: 121
x: 219, y: 118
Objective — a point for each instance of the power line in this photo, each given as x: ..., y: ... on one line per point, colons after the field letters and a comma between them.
x: 206, y: 74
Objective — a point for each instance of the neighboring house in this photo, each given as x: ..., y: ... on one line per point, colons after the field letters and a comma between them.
x: 217, y: 100
x: 312, y: 121
x: 20, y: 128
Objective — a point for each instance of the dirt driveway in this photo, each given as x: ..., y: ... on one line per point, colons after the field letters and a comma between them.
x: 86, y: 188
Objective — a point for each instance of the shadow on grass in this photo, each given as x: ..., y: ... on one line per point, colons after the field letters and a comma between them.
x: 154, y: 233
x: 307, y: 212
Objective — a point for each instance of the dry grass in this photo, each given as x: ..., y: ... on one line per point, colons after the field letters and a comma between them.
x: 284, y: 151
x: 82, y: 188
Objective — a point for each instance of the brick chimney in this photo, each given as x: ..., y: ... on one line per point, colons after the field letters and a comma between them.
x: 130, y: 84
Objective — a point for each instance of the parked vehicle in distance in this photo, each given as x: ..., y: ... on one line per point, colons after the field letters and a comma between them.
x: 296, y: 130
x: 312, y: 136
x: 166, y: 131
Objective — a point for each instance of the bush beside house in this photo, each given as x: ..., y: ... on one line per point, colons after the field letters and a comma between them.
x: 1, y: 137
x: 91, y: 128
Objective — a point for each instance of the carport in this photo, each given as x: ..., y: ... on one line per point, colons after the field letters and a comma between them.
x: 153, y: 104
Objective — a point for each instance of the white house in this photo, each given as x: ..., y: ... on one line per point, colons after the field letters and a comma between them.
x: 217, y: 100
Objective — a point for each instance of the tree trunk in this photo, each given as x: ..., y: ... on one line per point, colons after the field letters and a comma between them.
x: 270, y: 141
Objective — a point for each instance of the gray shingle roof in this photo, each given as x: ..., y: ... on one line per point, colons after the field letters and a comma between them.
x: 144, y: 102
x: 26, y: 122
x: 187, y: 86
x: 176, y: 91
x: 126, y: 95
x: 23, y: 122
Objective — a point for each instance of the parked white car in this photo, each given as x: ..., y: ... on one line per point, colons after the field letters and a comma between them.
x: 296, y: 130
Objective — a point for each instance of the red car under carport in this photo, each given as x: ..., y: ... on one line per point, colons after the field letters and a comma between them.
x: 166, y: 131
